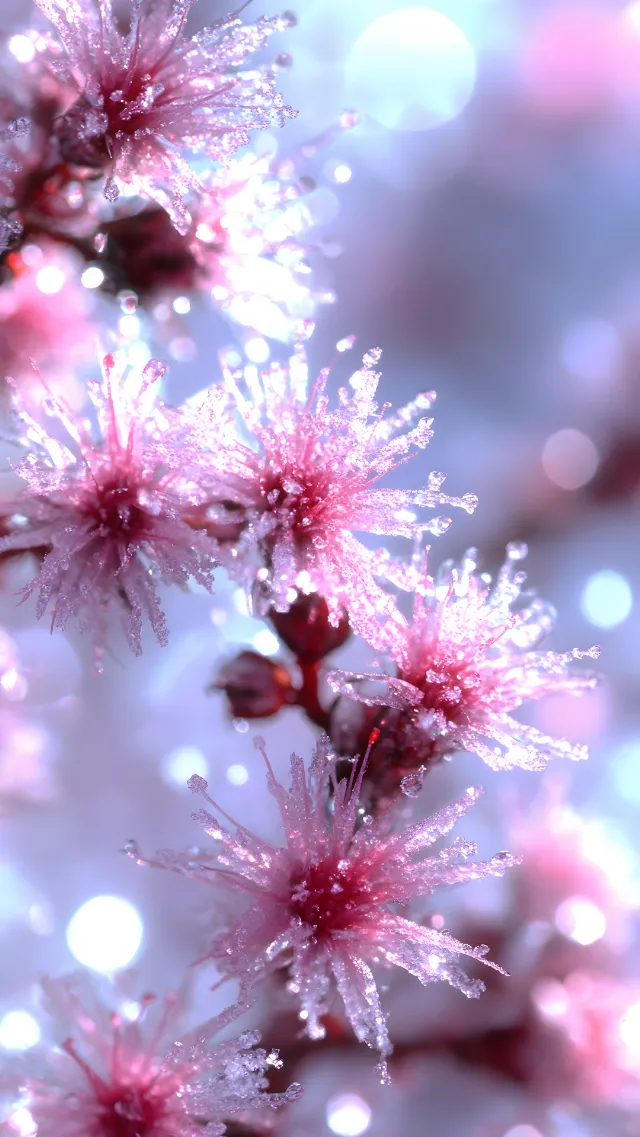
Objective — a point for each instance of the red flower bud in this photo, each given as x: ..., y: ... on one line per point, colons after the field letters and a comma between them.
x: 256, y: 687
x: 305, y: 628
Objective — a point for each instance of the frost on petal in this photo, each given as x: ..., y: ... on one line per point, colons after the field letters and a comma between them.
x: 106, y: 497
x: 141, y: 100
x: 466, y: 660
x: 122, y: 1068
x: 324, y: 904
x: 302, y: 477
x: 9, y: 168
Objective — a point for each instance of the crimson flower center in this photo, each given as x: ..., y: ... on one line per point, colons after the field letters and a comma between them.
x: 328, y: 899
x: 114, y: 509
x: 128, y: 1111
x: 452, y: 687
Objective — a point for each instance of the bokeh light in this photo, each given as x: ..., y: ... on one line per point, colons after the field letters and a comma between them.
x: 183, y: 761
x: 580, y: 920
x: 606, y: 599
x: 569, y: 459
x: 348, y: 1115
x: 19, y: 1031
x: 105, y: 933
x: 411, y: 69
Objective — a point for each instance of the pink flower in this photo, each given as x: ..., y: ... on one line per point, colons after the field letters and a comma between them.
x: 108, y: 501
x: 466, y: 659
x: 307, y: 476
x: 143, y: 98
x: 325, y: 905
x: 120, y: 1075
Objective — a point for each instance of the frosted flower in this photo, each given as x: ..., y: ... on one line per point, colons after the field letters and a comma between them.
x: 326, y: 904
x: 466, y: 659
x: 143, y: 99
x: 306, y: 476
x: 108, y: 501
x: 127, y: 1072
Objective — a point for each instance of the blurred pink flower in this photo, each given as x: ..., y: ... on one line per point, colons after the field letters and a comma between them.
x: 44, y: 319
x: 306, y: 477
x: 594, y: 1022
x: 142, y: 99
x: 109, y: 503
x: 118, y: 1075
x: 465, y: 661
x: 325, y: 904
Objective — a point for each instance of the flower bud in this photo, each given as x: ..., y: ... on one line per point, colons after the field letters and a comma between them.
x: 256, y: 687
x: 305, y: 628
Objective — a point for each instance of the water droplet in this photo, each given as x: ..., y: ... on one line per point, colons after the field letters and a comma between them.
x: 411, y: 784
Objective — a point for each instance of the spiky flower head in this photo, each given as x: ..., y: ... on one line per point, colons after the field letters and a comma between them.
x: 126, y: 1071
x: 325, y: 904
x: 108, y: 502
x: 466, y: 659
x: 140, y: 101
x: 308, y: 475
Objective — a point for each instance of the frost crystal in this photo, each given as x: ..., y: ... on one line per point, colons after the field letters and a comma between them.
x: 466, y: 659
x: 108, y: 503
x: 326, y: 904
x: 306, y: 476
x: 120, y: 1075
x: 9, y: 167
x: 144, y: 98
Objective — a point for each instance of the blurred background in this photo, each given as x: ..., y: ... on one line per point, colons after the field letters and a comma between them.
x: 481, y: 224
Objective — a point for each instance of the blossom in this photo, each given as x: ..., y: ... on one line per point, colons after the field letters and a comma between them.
x: 325, y: 904
x: 466, y: 659
x: 140, y: 100
x: 122, y: 1074
x: 306, y: 476
x: 108, y: 502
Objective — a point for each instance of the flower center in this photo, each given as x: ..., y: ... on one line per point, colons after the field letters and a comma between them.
x: 114, y: 509
x: 128, y: 1111
x: 328, y: 899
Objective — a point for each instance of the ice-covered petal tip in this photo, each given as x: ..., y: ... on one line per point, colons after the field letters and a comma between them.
x: 106, y: 496
x: 143, y: 99
x: 326, y: 903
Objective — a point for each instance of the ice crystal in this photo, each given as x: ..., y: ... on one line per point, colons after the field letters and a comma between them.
x: 9, y: 169
x: 467, y: 659
x: 301, y: 477
x: 122, y: 1074
x: 143, y: 99
x: 108, y: 502
x: 326, y: 903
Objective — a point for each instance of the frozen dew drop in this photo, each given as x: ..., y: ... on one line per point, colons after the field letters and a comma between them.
x: 412, y: 783
x: 105, y: 933
x: 348, y: 1115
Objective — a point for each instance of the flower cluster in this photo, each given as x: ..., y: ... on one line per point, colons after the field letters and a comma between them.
x: 325, y: 904
x: 127, y: 1071
x: 139, y: 101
